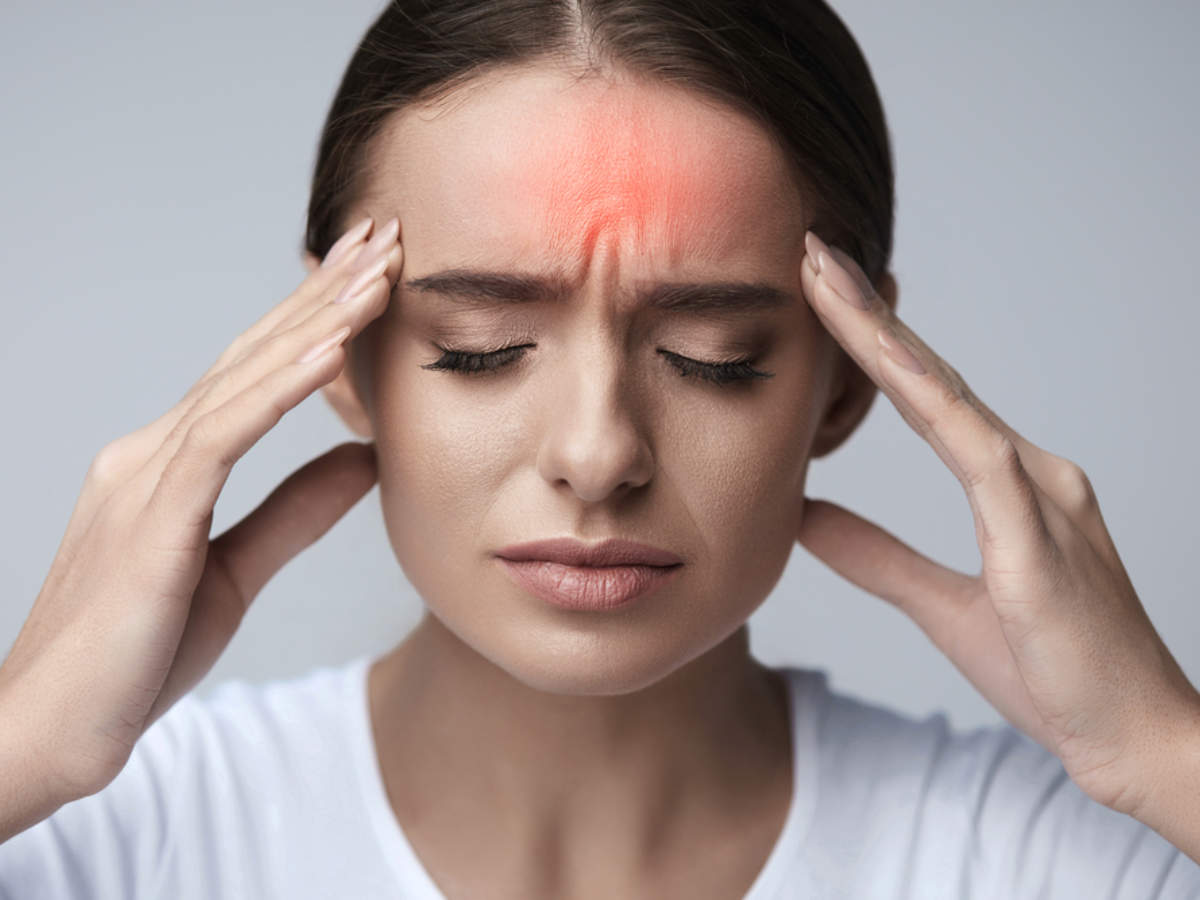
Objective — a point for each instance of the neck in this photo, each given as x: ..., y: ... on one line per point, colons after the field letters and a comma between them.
x: 461, y: 739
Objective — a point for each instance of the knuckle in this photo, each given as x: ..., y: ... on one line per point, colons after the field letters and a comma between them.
x: 203, y: 435
x: 201, y: 396
x: 118, y: 510
x: 960, y: 391
x: 951, y: 404
x: 1074, y: 488
x: 264, y: 397
x: 111, y: 463
x: 1002, y: 457
x: 976, y: 477
x: 1007, y: 459
x: 1005, y: 454
x: 232, y: 352
x: 953, y: 392
x: 216, y: 384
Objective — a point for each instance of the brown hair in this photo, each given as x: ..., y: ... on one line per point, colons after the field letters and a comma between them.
x: 791, y: 65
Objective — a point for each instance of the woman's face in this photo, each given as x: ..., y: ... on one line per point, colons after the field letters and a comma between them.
x: 610, y: 189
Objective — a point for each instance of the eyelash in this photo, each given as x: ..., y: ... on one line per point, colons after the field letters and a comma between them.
x: 721, y: 374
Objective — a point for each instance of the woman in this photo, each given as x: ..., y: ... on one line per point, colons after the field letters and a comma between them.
x: 597, y: 281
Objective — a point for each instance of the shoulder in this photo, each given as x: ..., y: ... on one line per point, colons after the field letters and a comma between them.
x: 211, y: 774
x: 254, y: 751
x: 981, y: 780
x: 858, y: 736
x: 244, y: 735
x: 273, y: 713
x: 914, y: 802
x: 241, y: 725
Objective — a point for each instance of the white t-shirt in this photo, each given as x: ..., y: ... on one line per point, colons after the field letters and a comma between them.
x: 274, y: 790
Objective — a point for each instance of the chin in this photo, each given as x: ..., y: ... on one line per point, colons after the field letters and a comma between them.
x: 584, y: 660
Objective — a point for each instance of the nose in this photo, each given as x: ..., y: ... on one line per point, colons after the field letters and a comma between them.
x: 595, y: 440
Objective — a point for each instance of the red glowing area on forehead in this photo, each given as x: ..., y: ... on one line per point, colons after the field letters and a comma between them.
x: 643, y: 169
x: 535, y: 170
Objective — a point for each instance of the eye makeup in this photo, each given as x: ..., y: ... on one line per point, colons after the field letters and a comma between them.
x: 724, y: 373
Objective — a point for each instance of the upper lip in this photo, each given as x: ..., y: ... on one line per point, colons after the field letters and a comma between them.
x: 571, y: 552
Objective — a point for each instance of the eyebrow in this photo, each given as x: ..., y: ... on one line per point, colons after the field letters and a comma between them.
x: 475, y: 285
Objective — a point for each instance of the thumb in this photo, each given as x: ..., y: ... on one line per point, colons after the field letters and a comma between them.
x: 877, y: 561
x: 243, y: 559
x: 295, y: 515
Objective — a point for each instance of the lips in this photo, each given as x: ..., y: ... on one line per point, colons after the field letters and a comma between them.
x: 588, y: 588
x: 571, y: 552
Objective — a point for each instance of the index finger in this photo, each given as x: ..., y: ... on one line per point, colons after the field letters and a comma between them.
x: 983, y: 452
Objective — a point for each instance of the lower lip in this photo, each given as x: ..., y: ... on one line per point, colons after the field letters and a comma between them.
x: 590, y: 588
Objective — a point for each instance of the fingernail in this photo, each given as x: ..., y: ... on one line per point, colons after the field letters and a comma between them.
x: 381, y: 242
x: 346, y: 241
x: 811, y: 262
x: 836, y: 276
x: 812, y: 246
x: 898, y: 352
x: 359, y: 284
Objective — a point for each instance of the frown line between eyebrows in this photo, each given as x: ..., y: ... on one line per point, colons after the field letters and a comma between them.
x: 492, y: 287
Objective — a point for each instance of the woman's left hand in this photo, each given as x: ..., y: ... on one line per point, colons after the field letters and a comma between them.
x: 1051, y: 631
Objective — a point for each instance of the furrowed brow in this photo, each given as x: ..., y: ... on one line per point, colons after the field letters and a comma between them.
x: 489, y: 287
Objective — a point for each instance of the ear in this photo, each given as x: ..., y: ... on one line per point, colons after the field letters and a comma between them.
x: 341, y: 393
x: 853, y: 391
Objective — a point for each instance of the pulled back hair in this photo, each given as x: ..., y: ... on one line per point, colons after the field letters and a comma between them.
x: 791, y: 65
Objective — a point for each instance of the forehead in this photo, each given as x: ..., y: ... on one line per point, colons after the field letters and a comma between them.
x: 537, y: 168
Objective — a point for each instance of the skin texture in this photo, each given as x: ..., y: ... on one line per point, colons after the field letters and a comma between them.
x: 528, y: 750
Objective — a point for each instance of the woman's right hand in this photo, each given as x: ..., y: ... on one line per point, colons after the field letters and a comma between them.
x: 139, y: 602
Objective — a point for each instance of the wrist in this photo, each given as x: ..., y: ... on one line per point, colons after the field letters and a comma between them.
x: 1171, y: 794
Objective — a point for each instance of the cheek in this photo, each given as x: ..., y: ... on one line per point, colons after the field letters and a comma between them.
x: 740, y: 471
x: 438, y: 468
x: 442, y: 443
x: 744, y: 454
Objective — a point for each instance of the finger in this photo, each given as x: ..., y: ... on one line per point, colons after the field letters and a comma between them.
x: 1060, y: 485
x: 354, y: 234
x: 979, y: 449
x: 295, y: 515
x: 1042, y: 465
x: 180, y: 498
x: 329, y: 282
x: 243, y: 559
x: 370, y: 289
x: 338, y: 265
x: 318, y: 287
x: 948, y: 606
x: 880, y: 563
x: 360, y: 257
x: 281, y: 352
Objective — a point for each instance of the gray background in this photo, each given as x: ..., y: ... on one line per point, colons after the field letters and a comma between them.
x: 156, y: 161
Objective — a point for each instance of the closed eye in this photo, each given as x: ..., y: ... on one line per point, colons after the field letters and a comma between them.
x: 719, y: 373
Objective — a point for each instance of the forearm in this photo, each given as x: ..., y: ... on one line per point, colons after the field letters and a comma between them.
x: 26, y: 797
x: 1172, y: 806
